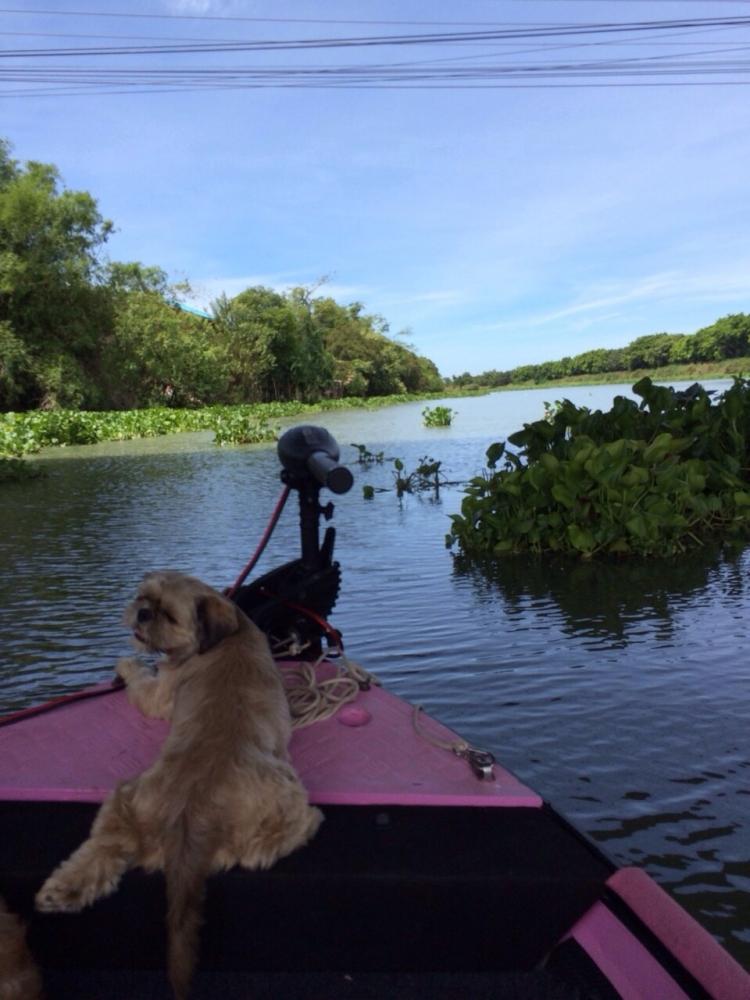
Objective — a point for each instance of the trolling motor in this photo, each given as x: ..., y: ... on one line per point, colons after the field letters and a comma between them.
x: 291, y: 603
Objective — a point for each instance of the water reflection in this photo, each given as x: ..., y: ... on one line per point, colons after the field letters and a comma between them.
x: 608, y: 598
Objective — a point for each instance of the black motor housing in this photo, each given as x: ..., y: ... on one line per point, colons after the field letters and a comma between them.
x: 289, y: 603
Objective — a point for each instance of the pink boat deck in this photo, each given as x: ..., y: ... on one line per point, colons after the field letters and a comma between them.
x: 78, y: 751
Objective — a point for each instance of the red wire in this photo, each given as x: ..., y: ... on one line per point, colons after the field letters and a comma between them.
x: 231, y: 591
x: 65, y: 699
x: 333, y: 634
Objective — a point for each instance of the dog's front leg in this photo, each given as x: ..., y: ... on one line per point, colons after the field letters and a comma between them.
x: 96, y: 867
x: 151, y: 693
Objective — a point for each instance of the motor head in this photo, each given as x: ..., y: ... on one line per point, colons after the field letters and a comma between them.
x: 307, y: 451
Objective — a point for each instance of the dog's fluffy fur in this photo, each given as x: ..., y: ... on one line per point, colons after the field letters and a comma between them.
x: 19, y: 976
x: 223, y: 790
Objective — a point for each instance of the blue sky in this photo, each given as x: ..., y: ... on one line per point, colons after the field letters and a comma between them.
x: 498, y: 226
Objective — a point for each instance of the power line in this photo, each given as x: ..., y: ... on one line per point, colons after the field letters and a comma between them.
x: 32, y: 67
x: 373, y: 41
x: 231, y: 18
x: 642, y: 67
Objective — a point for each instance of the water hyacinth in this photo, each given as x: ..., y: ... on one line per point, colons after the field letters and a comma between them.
x: 26, y: 433
x: 438, y: 416
x: 653, y: 478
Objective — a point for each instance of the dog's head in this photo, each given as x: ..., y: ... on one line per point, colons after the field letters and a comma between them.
x: 178, y: 615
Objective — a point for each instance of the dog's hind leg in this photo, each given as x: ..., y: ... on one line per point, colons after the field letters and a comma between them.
x: 96, y: 867
x: 279, y: 833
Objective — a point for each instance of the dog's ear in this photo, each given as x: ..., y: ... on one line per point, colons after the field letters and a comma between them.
x: 217, y: 618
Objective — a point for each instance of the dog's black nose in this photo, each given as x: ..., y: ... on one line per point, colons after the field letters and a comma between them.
x: 143, y: 615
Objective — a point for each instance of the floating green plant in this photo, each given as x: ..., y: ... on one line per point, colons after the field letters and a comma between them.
x: 648, y: 478
x: 438, y: 416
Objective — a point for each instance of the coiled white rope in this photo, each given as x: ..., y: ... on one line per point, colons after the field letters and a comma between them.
x: 312, y: 699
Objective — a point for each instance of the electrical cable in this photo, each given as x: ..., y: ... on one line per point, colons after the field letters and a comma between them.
x: 30, y: 73
x: 275, y: 515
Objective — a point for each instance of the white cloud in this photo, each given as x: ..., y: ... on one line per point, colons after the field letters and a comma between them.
x: 196, y: 6
x: 443, y: 297
x: 206, y: 290
x: 602, y: 301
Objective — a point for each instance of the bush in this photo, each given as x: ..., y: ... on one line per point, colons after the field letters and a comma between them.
x: 649, y: 479
x: 239, y: 428
x: 438, y: 416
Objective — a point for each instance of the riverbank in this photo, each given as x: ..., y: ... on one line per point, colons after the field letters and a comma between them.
x: 699, y: 371
x: 23, y: 434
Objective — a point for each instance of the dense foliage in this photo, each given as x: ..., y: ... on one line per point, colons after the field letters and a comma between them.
x: 650, y: 478
x: 298, y: 346
x: 729, y: 337
x: 80, y: 332
x: 50, y: 277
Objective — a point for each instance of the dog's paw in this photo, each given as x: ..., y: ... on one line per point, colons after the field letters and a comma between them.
x: 59, y: 896
x: 127, y: 668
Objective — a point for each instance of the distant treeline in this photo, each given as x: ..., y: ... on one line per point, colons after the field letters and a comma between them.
x: 78, y: 331
x: 729, y: 337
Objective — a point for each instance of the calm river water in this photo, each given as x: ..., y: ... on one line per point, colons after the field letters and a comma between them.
x: 620, y: 692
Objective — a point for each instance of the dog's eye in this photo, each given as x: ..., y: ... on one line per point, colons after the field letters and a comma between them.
x: 143, y: 615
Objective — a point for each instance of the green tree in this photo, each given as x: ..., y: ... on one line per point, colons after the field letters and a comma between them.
x: 367, y: 361
x: 651, y: 351
x: 51, y: 307
x: 312, y: 365
x: 122, y: 277
x: 258, y: 330
x: 155, y: 354
x: 728, y: 337
x: 345, y: 334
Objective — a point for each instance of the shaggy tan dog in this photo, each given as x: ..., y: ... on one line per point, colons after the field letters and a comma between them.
x: 19, y: 976
x: 222, y: 791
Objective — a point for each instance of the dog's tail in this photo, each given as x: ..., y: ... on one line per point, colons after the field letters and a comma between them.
x: 188, y: 852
